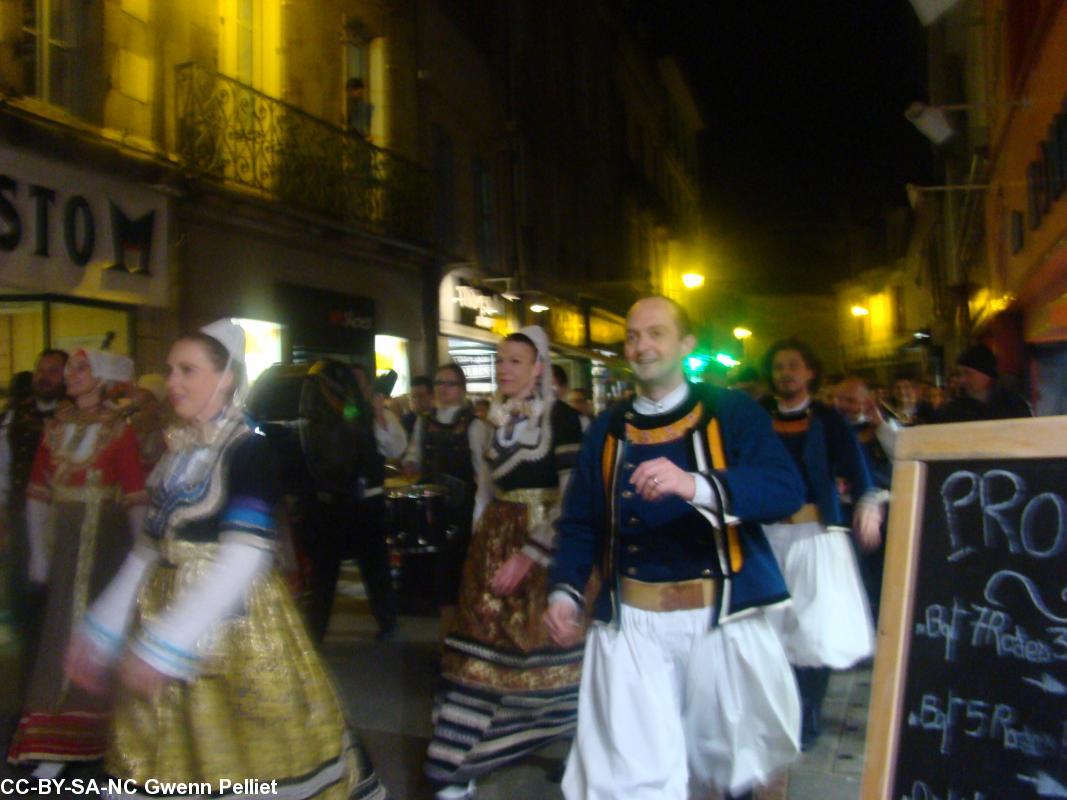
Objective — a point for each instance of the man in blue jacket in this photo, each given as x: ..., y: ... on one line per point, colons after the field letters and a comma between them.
x: 828, y: 625
x: 685, y: 684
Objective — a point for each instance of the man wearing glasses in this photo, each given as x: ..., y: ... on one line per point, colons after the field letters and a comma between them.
x: 447, y: 448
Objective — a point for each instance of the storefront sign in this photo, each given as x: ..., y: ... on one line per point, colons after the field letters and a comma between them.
x: 606, y: 330
x: 326, y: 322
x: 69, y: 230
x: 471, y: 312
x: 566, y: 324
x: 477, y: 307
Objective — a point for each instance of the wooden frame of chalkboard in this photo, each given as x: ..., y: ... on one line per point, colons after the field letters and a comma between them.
x: 981, y: 665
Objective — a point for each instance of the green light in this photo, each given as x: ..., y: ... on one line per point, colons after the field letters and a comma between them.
x: 726, y: 360
x: 695, y: 362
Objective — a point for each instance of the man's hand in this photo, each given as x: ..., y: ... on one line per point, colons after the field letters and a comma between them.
x: 873, y: 411
x: 140, y: 677
x: 510, y: 574
x: 378, y: 404
x: 661, y: 478
x: 866, y: 526
x: 561, y: 619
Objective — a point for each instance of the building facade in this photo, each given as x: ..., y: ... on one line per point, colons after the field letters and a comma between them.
x: 208, y: 159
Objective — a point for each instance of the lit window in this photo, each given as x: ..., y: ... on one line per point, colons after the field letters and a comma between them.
x: 263, y: 345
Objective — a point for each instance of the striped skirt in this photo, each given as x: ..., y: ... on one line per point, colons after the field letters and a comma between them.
x: 506, y: 690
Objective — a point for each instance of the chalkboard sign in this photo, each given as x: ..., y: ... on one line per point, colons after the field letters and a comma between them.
x: 969, y: 700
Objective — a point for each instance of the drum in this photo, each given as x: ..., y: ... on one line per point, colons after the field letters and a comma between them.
x: 416, y: 518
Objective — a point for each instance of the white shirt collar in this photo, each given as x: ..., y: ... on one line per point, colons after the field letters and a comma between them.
x: 795, y: 409
x: 651, y: 408
x: 447, y: 414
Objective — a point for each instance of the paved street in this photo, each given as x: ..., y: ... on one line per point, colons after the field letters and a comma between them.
x: 388, y: 687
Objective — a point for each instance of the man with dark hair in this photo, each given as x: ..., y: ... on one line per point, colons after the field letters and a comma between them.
x: 420, y: 401
x: 685, y: 684
x: 21, y: 433
x: 560, y: 382
x: 828, y: 625
x: 908, y: 407
x: 855, y: 401
x: 981, y: 397
x: 578, y: 399
x: 353, y: 524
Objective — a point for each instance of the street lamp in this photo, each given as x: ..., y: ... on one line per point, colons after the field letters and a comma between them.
x: 928, y: 11
x: 742, y: 333
x: 538, y: 308
x: 934, y: 124
x: 692, y: 280
x: 915, y: 191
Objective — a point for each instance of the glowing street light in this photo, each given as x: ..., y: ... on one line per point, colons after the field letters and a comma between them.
x: 538, y: 308
x: 859, y: 311
x: 692, y: 280
x: 742, y: 333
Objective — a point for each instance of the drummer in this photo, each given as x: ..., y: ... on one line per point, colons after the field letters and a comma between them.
x: 447, y: 448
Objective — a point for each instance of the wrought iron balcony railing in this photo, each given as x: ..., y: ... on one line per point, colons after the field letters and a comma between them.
x: 233, y: 133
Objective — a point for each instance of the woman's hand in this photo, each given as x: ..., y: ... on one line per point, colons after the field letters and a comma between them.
x: 140, y: 677
x: 85, y: 666
x: 510, y: 574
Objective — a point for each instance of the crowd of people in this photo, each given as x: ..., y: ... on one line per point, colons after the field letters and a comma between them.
x: 666, y: 585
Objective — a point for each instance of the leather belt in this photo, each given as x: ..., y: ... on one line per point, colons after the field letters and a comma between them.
x: 671, y: 596
x: 809, y: 512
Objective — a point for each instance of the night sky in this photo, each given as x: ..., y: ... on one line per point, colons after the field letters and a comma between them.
x: 806, y: 136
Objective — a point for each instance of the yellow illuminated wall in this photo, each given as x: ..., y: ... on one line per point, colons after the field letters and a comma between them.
x: 21, y: 337
x: 74, y: 326
x: 1019, y: 130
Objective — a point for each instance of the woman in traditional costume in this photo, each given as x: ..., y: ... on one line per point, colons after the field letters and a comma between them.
x: 84, y: 501
x: 217, y: 678
x: 506, y: 690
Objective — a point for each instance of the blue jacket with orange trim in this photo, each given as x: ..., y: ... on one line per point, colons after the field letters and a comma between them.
x: 720, y: 433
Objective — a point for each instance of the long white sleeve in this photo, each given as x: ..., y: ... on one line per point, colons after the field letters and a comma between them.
x: 108, y: 618
x: 170, y: 643
x: 478, y: 435
x: 392, y: 441
x: 886, y: 433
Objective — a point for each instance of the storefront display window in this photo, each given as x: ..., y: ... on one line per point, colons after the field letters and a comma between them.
x: 28, y: 325
x: 391, y: 352
x: 478, y: 361
x: 263, y: 345
x: 92, y: 327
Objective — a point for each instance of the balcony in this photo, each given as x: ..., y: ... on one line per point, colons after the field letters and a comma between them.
x: 229, y: 132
